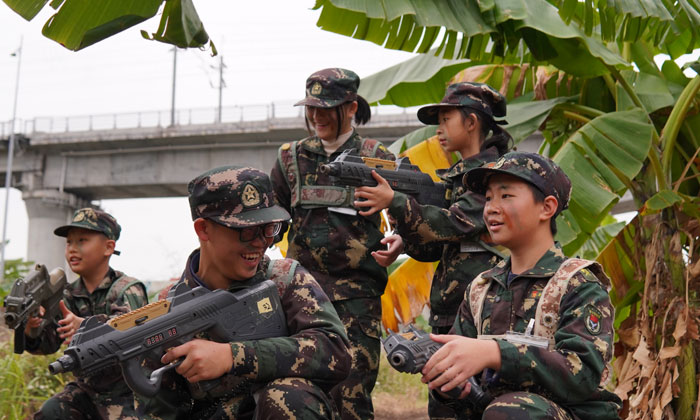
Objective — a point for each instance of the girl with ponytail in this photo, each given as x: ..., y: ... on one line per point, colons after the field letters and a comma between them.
x: 454, y: 234
x: 326, y: 235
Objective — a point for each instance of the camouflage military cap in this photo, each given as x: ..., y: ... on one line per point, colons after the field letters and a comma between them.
x: 536, y: 169
x: 478, y: 96
x: 235, y: 197
x: 92, y: 219
x: 329, y: 88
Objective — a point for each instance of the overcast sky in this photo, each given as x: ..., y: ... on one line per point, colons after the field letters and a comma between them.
x: 269, y: 48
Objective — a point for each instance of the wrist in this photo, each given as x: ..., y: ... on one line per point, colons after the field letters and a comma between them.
x: 494, y: 351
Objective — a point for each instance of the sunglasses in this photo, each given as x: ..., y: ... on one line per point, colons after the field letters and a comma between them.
x: 268, y: 231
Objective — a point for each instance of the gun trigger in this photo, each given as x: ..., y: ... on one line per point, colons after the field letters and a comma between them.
x: 161, y: 370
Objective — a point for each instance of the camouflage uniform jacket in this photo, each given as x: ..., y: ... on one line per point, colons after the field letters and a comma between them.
x: 569, y: 373
x: 336, y: 248
x: 450, y: 235
x: 117, y: 294
x: 316, y: 349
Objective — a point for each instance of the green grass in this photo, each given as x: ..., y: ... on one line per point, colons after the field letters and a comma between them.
x: 25, y: 382
x: 391, y: 381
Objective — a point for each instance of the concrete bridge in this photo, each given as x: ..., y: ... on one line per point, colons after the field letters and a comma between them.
x: 63, y: 163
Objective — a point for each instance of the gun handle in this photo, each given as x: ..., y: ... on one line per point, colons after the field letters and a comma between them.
x: 36, y: 332
x: 19, y: 339
x: 137, y: 380
x: 157, y: 376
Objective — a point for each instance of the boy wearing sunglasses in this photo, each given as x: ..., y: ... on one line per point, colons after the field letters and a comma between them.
x: 235, y: 219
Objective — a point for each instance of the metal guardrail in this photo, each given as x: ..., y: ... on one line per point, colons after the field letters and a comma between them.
x: 183, y: 117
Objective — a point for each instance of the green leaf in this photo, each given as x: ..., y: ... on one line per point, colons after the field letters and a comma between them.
x: 180, y: 25
x: 620, y: 141
x: 26, y: 8
x: 600, y: 238
x: 412, y: 138
x: 81, y: 23
x: 535, y: 22
x: 524, y: 118
x: 652, y: 90
x: 661, y: 200
x: 417, y: 81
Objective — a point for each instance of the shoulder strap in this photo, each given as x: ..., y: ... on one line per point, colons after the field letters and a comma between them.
x: 121, y: 285
x: 282, y: 269
x: 477, y: 295
x: 287, y: 157
x: 369, y: 147
x: 547, y: 313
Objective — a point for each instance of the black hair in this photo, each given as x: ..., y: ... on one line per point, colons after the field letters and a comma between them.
x: 539, y: 197
x: 500, y: 138
x: 362, y: 116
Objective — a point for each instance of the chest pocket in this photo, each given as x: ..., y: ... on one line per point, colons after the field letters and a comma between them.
x: 528, y: 307
x: 313, y: 196
x: 306, y: 194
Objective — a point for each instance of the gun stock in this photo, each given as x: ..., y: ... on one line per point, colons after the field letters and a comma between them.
x: 356, y: 171
x: 250, y: 314
x: 410, y: 351
x: 37, y: 288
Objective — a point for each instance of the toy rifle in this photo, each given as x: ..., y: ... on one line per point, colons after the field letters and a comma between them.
x: 37, y: 289
x: 249, y: 314
x: 410, y: 351
x: 356, y: 171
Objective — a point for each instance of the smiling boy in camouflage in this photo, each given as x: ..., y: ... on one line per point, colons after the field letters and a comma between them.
x: 235, y: 219
x: 102, y: 292
x: 538, y: 326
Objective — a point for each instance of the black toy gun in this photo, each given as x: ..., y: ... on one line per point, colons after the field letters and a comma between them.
x: 410, y: 351
x: 402, y: 176
x: 249, y: 314
x: 38, y: 288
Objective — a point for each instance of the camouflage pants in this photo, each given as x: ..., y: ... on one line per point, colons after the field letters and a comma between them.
x: 362, y: 320
x: 286, y: 398
x: 524, y: 406
x: 514, y: 406
x: 80, y: 401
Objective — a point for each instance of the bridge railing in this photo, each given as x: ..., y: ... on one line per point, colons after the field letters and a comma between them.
x: 264, y: 113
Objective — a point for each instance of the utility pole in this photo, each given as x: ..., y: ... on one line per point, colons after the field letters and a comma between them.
x: 10, y: 153
x: 221, y: 86
x: 172, y: 101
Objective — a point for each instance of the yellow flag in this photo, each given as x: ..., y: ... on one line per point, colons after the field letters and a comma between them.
x: 429, y: 156
x: 283, y: 244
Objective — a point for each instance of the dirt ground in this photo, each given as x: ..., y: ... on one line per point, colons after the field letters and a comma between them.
x: 398, y: 407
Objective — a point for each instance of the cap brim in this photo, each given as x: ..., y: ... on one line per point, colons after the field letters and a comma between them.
x: 477, y: 178
x: 429, y: 114
x: 254, y: 217
x: 320, y: 103
x: 63, y: 230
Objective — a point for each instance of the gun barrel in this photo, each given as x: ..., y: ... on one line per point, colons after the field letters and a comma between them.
x: 10, y: 319
x: 64, y: 363
x: 329, y: 169
x: 398, y: 360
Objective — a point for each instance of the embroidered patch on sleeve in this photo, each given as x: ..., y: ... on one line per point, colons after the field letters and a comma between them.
x: 592, y: 319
